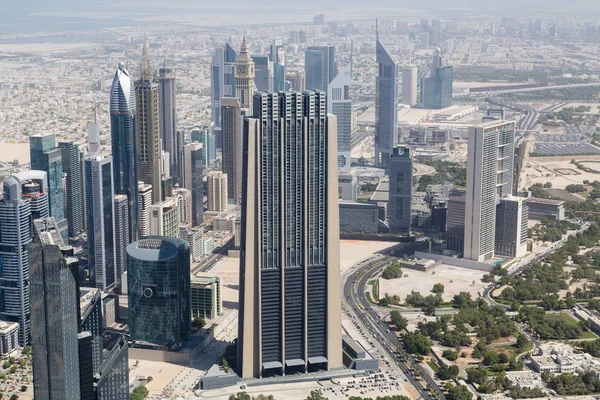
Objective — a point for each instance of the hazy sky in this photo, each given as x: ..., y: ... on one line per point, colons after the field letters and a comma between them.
x: 56, y: 15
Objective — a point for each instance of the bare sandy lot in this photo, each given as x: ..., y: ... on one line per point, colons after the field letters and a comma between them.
x: 162, y: 373
x: 352, y: 251
x: 11, y: 151
x: 544, y: 169
x: 454, y: 279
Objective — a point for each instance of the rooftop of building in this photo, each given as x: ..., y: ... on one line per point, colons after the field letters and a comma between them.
x: 155, y: 248
x: 7, y: 327
x: 356, y: 204
x: 545, y: 201
x: 204, y: 280
x: 87, y: 298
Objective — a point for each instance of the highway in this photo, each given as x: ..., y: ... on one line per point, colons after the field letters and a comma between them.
x: 369, y: 318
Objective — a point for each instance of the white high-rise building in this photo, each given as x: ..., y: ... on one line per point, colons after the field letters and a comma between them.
x: 144, y: 203
x: 490, y: 159
x: 164, y: 218
x: 410, y: 77
x: 184, y: 204
x: 217, y: 191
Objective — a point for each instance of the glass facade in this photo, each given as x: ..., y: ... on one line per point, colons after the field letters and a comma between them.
x: 401, y: 182
x: 158, y: 283
x: 114, y: 375
x: 124, y: 143
x: 71, y: 165
x: 54, y: 336
x: 386, y: 105
x: 320, y: 67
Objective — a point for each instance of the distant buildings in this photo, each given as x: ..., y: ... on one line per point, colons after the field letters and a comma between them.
x: 348, y: 183
x: 386, y: 109
x: 158, y: 280
x: 205, y: 137
x: 124, y: 142
x: 287, y: 226
x: 409, y: 86
x: 217, y: 191
x: 277, y: 56
x: 320, y: 67
x: 148, y: 129
x: 400, y: 200
x: 490, y: 158
x: 264, y: 72
x: 436, y: 89
x: 339, y: 104
x: 46, y: 156
x: 183, y: 197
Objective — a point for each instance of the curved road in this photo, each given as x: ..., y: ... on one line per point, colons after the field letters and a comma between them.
x: 354, y: 296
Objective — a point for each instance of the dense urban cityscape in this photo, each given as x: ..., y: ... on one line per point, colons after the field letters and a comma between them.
x: 386, y: 204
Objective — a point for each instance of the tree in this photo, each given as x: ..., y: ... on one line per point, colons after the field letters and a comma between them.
x: 27, y: 350
x: 459, y: 393
x: 417, y: 343
x: 23, y: 388
x: 438, y: 288
x: 522, y: 342
x: 240, y: 396
x: 445, y: 372
x: 450, y: 355
x: 502, y: 358
x: 398, y: 320
x: 149, y: 379
x: 316, y: 395
x: 392, y: 271
x: 14, y: 397
x: 198, y: 322
x: 490, y: 357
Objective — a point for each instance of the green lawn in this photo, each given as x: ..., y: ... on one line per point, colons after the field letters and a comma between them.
x: 588, y: 335
x: 433, y: 366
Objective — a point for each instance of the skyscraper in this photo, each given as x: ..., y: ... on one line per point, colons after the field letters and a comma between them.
x: 512, y: 216
x: 401, y: 179
x: 289, y: 267
x: 124, y: 143
x: 167, y: 113
x: 71, y: 165
x: 158, y: 280
x: 489, y: 178
x: 183, y: 197
x: 121, y: 234
x: 34, y: 187
x: 217, y: 191
x: 192, y: 180
x: 436, y: 89
x: 386, y: 110
x: 409, y: 86
x: 232, y: 147
x: 264, y: 72
x: 222, y: 83
x: 54, y: 325
x: 15, y: 234
x: 45, y: 156
x: 207, y: 138
x: 320, y: 67
x: 277, y: 56
x: 339, y: 104
x: 148, y: 129
x: 144, y: 201
x: 100, y: 221
x: 244, y: 77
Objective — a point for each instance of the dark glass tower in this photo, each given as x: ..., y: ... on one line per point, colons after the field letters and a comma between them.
x: 320, y: 67
x: 158, y: 283
x: 167, y: 113
x: 54, y: 325
x: 222, y: 83
x: 289, y: 265
x: 436, y: 89
x: 71, y: 163
x: 113, y: 381
x: 401, y: 182
x: 123, y: 141
x: 45, y: 156
x: 192, y: 179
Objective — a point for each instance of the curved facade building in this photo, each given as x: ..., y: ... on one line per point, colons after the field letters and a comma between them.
x: 158, y: 284
x: 124, y: 153
x: 34, y: 187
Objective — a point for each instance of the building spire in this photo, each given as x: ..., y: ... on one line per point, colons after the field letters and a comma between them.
x: 244, y: 51
x: 146, y: 66
x: 376, y: 29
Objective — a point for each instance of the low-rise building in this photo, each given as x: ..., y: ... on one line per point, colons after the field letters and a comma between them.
x: 358, y: 217
x: 206, y: 297
x: 9, y: 337
x: 545, y: 208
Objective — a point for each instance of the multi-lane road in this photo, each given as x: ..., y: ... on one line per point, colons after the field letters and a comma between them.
x: 371, y: 320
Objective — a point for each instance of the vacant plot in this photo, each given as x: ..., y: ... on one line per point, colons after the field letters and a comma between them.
x: 454, y: 279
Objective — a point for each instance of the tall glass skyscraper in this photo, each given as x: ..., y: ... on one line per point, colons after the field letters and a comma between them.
x: 436, y: 89
x: 339, y: 104
x: 289, y: 267
x: 158, y: 282
x: 277, y: 55
x: 100, y: 221
x: 45, y: 156
x: 192, y: 179
x: 71, y: 165
x: 386, y: 106
x: 232, y: 147
x: 168, y: 123
x: 222, y: 83
x: 54, y: 325
x: 124, y: 143
x: 320, y: 67
x: 401, y: 183
x: 15, y: 234
x: 148, y: 129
